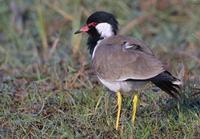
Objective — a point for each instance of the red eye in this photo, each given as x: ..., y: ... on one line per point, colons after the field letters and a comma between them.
x: 92, y: 24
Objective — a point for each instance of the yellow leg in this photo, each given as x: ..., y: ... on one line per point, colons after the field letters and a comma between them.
x: 135, y: 101
x: 119, y: 104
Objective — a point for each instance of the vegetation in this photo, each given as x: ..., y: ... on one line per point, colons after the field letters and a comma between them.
x: 47, y: 87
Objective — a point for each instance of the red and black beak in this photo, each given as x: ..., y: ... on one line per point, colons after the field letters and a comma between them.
x: 83, y: 29
x: 86, y: 28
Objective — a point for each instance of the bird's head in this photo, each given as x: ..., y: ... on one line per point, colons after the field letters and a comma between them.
x: 101, y: 24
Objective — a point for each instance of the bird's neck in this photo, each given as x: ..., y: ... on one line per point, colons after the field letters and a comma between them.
x: 92, y: 42
x: 101, y: 31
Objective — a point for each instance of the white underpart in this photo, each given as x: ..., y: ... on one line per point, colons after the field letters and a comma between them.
x: 112, y: 86
x: 105, y: 30
x: 123, y: 86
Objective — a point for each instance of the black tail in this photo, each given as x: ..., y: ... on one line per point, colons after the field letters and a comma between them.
x: 167, y: 83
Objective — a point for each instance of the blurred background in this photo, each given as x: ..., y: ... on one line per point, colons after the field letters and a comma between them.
x: 44, y: 66
x: 34, y: 31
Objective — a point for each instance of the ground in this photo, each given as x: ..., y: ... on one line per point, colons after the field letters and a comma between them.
x: 47, y: 87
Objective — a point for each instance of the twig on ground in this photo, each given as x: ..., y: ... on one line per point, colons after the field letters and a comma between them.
x: 53, y: 48
x: 195, y: 58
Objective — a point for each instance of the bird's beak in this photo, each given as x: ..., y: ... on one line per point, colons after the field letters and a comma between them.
x: 83, y: 29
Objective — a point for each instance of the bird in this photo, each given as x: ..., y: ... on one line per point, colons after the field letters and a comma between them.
x: 124, y: 64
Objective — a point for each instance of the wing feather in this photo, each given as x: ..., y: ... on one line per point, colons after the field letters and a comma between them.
x: 115, y: 61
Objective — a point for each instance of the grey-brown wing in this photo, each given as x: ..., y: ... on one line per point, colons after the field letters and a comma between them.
x: 119, y: 59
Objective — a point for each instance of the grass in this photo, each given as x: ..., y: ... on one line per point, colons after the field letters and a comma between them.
x: 47, y: 87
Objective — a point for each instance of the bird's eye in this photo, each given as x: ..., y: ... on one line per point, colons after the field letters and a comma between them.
x: 92, y: 24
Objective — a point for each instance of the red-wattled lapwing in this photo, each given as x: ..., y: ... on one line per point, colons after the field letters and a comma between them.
x: 124, y: 64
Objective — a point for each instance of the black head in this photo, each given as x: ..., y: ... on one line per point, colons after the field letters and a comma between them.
x: 103, y: 17
x: 99, y: 25
x: 96, y: 18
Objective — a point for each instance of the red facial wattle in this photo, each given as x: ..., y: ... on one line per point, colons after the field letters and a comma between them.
x: 86, y: 28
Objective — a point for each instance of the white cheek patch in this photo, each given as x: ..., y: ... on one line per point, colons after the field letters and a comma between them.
x: 104, y: 29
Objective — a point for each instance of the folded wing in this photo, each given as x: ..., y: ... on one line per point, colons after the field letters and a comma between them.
x: 120, y: 58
